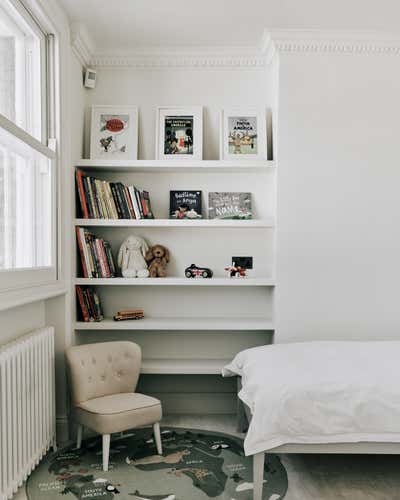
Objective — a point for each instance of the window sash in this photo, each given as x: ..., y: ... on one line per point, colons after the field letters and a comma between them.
x: 29, y: 277
x: 31, y: 70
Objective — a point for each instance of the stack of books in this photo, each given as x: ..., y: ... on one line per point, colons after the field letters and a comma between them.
x: 96, y: 255
x: 111, y: 200
x: 89, y: 304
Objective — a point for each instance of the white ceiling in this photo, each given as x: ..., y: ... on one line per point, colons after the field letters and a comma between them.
x: 129, y: 24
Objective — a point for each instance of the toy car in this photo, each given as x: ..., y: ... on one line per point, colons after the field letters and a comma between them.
x: 194, y: 271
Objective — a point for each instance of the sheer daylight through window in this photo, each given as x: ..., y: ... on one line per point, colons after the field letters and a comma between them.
x: 27, y: 175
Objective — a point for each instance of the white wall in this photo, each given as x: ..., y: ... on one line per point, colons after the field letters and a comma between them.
x: 338, y: 197
x: 148, y: 89
x: 20, y: 320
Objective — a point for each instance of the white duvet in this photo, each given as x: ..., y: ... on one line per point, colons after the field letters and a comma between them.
x: 320, y: 392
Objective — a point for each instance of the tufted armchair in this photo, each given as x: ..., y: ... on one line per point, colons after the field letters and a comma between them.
x: 103, y: 380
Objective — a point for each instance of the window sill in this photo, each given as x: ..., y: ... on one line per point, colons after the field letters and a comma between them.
x: 14, y: 298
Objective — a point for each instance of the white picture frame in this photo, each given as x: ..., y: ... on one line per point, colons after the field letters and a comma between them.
x: 251, y: 121
x: 114, y: 132
x: 168, y: 120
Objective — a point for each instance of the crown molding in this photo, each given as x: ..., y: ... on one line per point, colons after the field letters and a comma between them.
x: 191, y: 58
x: 82, y: 43
x: 273, y: 41
x: 327, y: 41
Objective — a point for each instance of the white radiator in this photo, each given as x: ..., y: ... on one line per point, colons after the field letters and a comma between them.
x: 27, y: 406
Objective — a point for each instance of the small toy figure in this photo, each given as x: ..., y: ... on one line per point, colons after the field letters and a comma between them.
x: 236, y: 271
x: 181, y: 212
x: 157, y: 258
x: 194, y: 271
x: 131, y: 257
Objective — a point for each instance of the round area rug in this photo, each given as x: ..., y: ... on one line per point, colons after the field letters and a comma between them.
x: 195, y: 465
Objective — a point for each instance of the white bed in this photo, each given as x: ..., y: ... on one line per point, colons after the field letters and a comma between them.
x: 319, y: 397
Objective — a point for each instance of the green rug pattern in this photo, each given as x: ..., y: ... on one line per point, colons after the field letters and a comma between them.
x: 196, y: 465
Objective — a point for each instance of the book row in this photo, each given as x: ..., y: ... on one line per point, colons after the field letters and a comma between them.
x: 89, y: 304
x: 100, y: 199
x: 96, y: 255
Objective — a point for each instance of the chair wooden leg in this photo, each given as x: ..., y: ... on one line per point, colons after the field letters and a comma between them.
x: 258, y: 475
x: 157, y: 437
x: 79, y: 436
x: 106, y: 451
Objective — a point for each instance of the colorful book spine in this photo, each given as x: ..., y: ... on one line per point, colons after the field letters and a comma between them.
x: 101, y: 199
x: 134, y: 202
x: 82, y: 304
x: 129, y: 201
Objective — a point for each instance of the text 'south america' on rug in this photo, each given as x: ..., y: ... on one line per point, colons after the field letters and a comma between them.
x: 195, y: 465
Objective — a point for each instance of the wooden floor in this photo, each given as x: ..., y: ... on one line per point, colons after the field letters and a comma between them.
x: 316, y: 477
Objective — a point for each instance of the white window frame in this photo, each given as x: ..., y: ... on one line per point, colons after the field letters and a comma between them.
x: 14, y: 280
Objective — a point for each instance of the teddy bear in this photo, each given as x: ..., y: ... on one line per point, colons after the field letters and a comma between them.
x: 157, y: 258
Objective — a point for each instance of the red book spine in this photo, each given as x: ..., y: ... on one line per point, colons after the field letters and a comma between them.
x: 91, y: 304
x: 143, y: 202
x: 105, y: 271
x: 81, y: 193
x: 84, y: 310
x: 80, y: 245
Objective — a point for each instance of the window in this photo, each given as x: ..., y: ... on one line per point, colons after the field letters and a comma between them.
x: 27, y: 164
x: 22, y: 64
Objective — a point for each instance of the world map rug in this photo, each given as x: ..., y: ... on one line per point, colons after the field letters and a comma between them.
x: 195, y: 465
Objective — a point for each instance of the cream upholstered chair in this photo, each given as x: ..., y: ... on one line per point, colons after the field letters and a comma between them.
x: 103, y: 380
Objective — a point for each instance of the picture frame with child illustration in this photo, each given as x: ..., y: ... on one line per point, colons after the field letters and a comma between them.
x: 243, y: 134
x: 179, y: 134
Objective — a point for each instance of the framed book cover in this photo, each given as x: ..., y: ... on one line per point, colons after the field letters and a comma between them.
x: 243, y: 134
x: 229, y: 206
x: 185, y: 205
x: 179, y: 133
x: 114, y: 133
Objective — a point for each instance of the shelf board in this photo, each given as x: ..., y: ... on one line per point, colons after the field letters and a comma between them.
x: 181, y: 323
x: 176, y: 165
x: 176, y: 281
x: 205, y: 223
x: 184, y: 366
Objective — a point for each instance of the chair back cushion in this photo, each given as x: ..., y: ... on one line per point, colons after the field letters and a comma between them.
x: 102, y: 369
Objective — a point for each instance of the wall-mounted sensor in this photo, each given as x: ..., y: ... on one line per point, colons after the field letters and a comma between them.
x: 90, y: 78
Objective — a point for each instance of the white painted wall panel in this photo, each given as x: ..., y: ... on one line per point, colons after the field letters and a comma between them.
x: 338, y: 197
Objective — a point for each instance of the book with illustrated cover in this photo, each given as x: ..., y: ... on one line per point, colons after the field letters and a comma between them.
x: 178, y: 135
x: 185, y: 205
x: 229, y: 205
x: 242, y: 135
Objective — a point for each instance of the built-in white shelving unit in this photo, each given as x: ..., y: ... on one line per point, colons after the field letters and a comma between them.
x: 181, y: 324
x: 175, y: 282
x: 176, y: 166
x: 181, y: 224
x: 190, y: 366
x: 218, y: 316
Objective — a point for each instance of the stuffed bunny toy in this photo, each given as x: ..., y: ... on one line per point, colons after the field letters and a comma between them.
x: 131, y: 258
